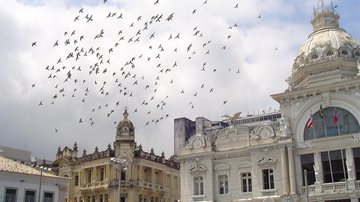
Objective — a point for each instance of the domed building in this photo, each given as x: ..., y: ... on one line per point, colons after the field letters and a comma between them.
x: 308, y: 151
x: 123, y: 173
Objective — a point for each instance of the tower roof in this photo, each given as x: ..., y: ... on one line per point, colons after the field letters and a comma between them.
x: 125, y: 125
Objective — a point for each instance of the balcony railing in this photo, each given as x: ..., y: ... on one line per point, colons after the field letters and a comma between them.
x: 137, y: 183
x: 332, y: 187
x: 95, y: 185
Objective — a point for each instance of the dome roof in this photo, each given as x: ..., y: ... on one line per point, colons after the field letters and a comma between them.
x: 125, y: 126
x: 327, y: 42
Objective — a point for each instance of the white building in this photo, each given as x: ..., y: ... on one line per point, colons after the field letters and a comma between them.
x: 20, y: 182
x: 264, y: 158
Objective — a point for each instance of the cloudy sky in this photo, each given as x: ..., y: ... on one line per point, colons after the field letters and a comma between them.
x: 68, y: 68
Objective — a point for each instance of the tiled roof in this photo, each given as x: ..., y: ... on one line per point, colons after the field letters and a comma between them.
x: 9, y: 165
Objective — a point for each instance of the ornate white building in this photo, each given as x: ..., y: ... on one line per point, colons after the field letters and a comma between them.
x: 308, y: 152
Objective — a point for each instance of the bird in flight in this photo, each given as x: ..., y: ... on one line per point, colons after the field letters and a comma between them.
x: 33, y: 44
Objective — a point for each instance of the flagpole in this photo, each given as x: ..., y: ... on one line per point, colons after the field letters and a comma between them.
x: 341, y: 151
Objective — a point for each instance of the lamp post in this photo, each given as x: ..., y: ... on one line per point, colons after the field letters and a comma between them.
x: 41, y: 168
x: 121, y: 165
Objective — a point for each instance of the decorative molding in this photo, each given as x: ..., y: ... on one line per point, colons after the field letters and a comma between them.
x: 222, y: 166
x: 197, y: 168
x: 197, y: 141
x: 266, y: 161
x: 356, y: 138
x: 244, y: 164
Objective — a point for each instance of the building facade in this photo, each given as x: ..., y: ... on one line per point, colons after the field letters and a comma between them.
x: 21, y: 182
x: 142, y: 176
x: 309, y: 151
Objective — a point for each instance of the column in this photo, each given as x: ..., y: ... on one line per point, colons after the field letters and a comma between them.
x: 350, y: 165
x: 318, y: 172
x: 291, y: 170
x: 284, y: 170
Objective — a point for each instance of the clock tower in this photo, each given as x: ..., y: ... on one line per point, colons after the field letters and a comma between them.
x: 125, y: 137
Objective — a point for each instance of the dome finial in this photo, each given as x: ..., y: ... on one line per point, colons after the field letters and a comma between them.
x: 325, y: 17
x: 125, y: 114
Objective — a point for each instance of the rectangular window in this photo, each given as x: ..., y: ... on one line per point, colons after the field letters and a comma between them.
x: 101, y: 198
x: 268, y: 179
x: 48, y: 197
x: 334, y: 167
x: 356, y: 152
x: 123, y: 175
x: 93, y: 198
x: 76, y: 180
x: 198, y: 185
x: 102, y: 174
x: 29, y: 196
x: 89, y: 176
x: 307, y: 163
x: 223, y: 184
x: 10, y: 195
x: 246, y: 182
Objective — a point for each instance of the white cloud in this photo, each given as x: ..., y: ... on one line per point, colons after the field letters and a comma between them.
x: 250, y: 48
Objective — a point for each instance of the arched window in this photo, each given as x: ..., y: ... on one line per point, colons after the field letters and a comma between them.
x: 344, y: 52
x: 325, y: 125
x: 330, y: 53
x: 314, y: 56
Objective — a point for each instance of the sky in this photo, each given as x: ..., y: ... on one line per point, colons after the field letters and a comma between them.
x: 69, y: 68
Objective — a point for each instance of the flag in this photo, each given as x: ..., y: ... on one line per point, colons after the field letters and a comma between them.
x: 321, y: 112
x: 309, y: 122
x: 335, y: 118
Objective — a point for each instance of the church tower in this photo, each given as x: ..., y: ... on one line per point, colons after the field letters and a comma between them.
x: 124, y: 144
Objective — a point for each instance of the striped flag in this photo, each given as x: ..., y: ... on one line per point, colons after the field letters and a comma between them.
x: 309, y: 122
x: 335, y: 118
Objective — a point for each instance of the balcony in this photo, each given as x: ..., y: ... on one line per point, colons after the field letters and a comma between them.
x: 131, y: 183
x: 94, y: 185
x: 332, y: 188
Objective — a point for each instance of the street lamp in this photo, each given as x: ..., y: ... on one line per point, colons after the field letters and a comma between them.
x: 121, y: 165
x: 41, y: 168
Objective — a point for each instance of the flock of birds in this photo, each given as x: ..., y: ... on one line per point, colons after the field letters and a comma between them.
x: 88, y: 70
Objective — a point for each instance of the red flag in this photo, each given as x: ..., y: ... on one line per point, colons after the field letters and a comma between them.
x: 335, y: 118
x: 309, y: 122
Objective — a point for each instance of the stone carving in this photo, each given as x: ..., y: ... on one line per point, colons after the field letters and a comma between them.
x: 317, y: 172
x: 285, y: 130
x: 349, y: 169
x: 233, y: 118
x: 266, y: 161
x: 356, y: 138
x: 197, y: 141
x: 252, y: 134
x: 197, y: 168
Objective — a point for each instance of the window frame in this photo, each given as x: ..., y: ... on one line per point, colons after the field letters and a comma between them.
x: 10, y: 188
x: 198, y: 181
x: 270, y: 182
x: 248, y: 182
x: 32, y: 190
x: 223, y: 184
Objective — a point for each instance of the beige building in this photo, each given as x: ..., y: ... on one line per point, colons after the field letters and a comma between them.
x: 309, y: 151
x: 143, y: 176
